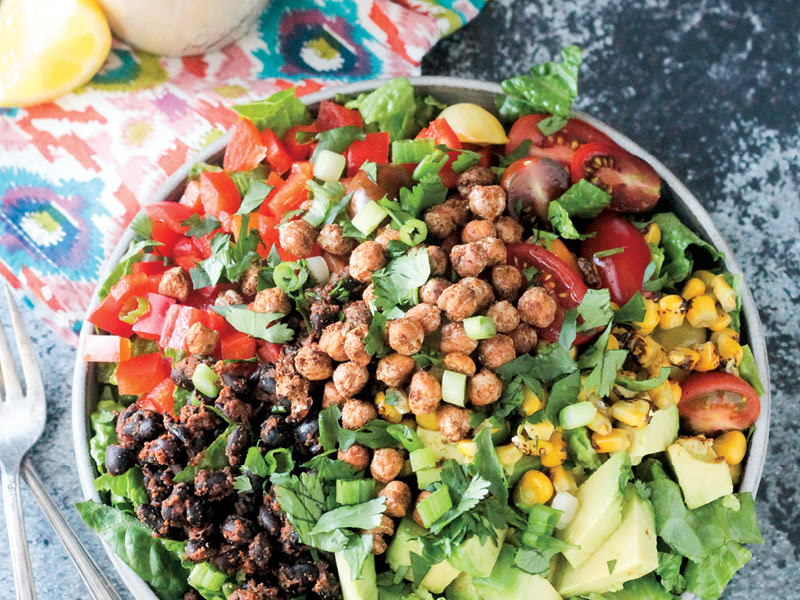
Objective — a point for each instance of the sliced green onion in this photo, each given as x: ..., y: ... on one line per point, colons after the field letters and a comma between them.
x: 369, y: 217
x: 413, y: 232
x: 430, y: 165
x: 480, y: 328
x: 406, y: 152
x: 329, y: 166
x: 319, y: 270
x: 454, y: 386
x: 131, y: 315
x: 434, y: 506
x: 424, y: 458
x: 206, y: 381
x: 428, y: 476
x: 354, y: 491
x: 577, y: 415
x: 207, y: 577
x: 289, y: 276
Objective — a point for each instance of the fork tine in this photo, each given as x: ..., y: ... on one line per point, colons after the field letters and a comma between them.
x: 9, y: 370
x: 27, y: 356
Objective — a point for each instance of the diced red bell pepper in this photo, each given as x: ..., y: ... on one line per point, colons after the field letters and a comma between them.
x: 245, y: 151
x: 191, y: 197
x: 298, y: 150
x: 150, y: 268
x: 132, y: 286
x: 106, y: 317
x: 219, y: 194
x: 203, y: 298
x: 294, y: 192
x: 277, y: 155
x: 190, y: 251
x: 266, y: 226
x: 236, y: 345
x: 375, y: 148
x: 332, y: 115
x: 151, y: 324
x: 106, y: 348
x: 484, y: 151
x: 268, y: 352
x: 161, y: 398
x: 166, y: 237
x: 141, y: 374
x: 172, y: 214
x: 440, y: 131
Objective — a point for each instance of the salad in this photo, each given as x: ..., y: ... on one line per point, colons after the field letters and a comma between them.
x: 400, y: 349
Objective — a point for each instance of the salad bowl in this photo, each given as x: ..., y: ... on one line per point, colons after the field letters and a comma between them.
x: 675, y: 196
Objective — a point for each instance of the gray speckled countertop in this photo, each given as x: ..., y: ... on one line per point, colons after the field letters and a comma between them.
x: 711, y: 88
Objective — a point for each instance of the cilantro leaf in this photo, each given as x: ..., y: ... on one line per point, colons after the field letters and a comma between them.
x: 263, y: 326
x: 749, y: 371
x: 254, y: 197
x: 142, y: 226
x: 584, y: 199
x: 279, y: 112
x: 356, y: 553
x: 487, y: 465
x: 632, y: 311
x: 375, y: 341
x: 563, y: 393
x: 551, y: 124
x: 200, y: 226
x: 466, y: 159
x: 398, y: 281
x: 641, y: 385
x: 255, y: 463
x: 604, y: 364
x: 595, y: 309
x: 329, y: 426
x: 518, y: 153
x: 559, y: 218
x: 328, y: 200
x: 302, y: 499
x: 536, y: 560
x: 430, y: 191
x: 357, y: 516
x: 476, y: 490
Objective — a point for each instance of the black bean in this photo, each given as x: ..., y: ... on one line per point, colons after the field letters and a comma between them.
x: 306, y: 436
x: 297, y: 578
x: 238, y: 444
x: 228, y: 559
x: 275, y: 432
x: 150, y: 515
x: 166, y: 450
x: 197, y: 513
x: 269, y: 521
x: 119, y: 459
x: 213, y: 485
x: 139, y: 426
x: 237, y: 530
x: 258, y: 555
x: 199, y: 550
x: 322, y: 315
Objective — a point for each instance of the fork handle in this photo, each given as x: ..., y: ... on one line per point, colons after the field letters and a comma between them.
x: 99, y: 586
x: 20, y: 559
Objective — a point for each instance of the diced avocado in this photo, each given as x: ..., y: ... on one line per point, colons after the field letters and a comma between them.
x: 365, y: 588
x: 659, y: 433
x: 507, y: 582
x: 442, y: 448
x: 628, y: 554
x: 702, y: 475
x: 476, y: 558
x: 425, y: 477
x: 599, y: 510
x: 399, y: 555
x: 462, y: 589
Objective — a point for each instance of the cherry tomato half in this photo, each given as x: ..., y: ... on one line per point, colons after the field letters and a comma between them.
x: 531, y: 184
x: 633, y: 184
x: 715, y: 401
x: 556, y: 275
x: 561, y: 145
x: 622, y: 273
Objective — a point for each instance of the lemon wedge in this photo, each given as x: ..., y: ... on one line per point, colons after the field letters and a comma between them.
x: 474, y: 124
x: 49, y: 48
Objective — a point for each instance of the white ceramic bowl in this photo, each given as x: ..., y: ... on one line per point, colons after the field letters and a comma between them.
x: 450, y: 90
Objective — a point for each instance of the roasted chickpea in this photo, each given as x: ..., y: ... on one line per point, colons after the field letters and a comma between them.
x: 297, y: 237
x: 426, y: 315
x: 496, y: 351
x: 386, y: 235
x: 525, y: 339
x: 433, y: 288
x: 437, y: 257
x: 357, y: 313
x: 312, y: 363
x: 331, y: 239
x: 477, y: 230
x: 228, y: 298
x: 354, y: 345
x: 441, y: 221
x: 458, y: 301
x: 272, y: 300
x: 201, y: 339
x: 482, y: 289
x: 459, y: 207
x: 369, y: 294
x: 398, y: 498
x: 477, y: 175
x: 484, y: 388
x: 385, y: 528
x: 504, y: 315
x: 508, y: 230
x: 537, y: 307
x: 405, y: 335
x: 367, y: 258
x: 386, y: 464
x: 487, y: 201
x: 394, y: 369
x: 331, y: 342
x: 357, y: 413
x: 507, y: 282
x: 455, y: 339
x: 425, y: 393
x: 175, y: 283
x: 495, y: 251
x: 350, y: 378
x: 453, y: 422
x: 469, y: 260
x: 356, y: 455
x: 379, y: 545
x: 330, y: 396
x: 250, y: 280
x: 415, y: 515
x: 459, y: 363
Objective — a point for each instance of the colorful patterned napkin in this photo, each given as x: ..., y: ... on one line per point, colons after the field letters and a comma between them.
x: 74, y: 173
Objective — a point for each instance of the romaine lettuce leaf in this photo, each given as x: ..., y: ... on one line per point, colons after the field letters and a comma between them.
x: 680, y: 245
x: 279, y: 112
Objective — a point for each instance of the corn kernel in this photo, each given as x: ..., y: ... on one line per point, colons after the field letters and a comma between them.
x: 659, y: 361
x: 650, y: 320
x: 530, y: 401
x: 533, y: 488
x: 601, y: 424
x: 671, y: 311
x: 724, y: 293
x: 707, y: 277
x: 683, y: 358
x: 709, y: 357
x: 428, y: 421
x: 558, y: 453
x: 563, y: 480
x: 644, y: 349
x: 732, y: 446
x: 634, y: 414
x: 677, y: 390
x: 702, y: 311
x: 727, y: 331
x: 615, y: 441
x: 613, y: 342
x: 662, y: 395
x: 387, y: 411
x: 693, y: 288
x: 508, y: 454
x: 729, y: 349
x: 736, y: 473
x: 652, y: 235
x: 722, y: 322
x: 468, y: 448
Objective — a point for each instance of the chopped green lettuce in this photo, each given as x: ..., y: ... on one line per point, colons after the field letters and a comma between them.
x: 279, y: 112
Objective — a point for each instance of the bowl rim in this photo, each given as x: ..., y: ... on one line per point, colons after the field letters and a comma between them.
x: 703, y: 225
